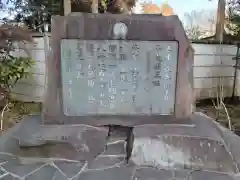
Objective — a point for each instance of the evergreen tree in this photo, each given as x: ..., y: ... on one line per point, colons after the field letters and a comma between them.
x: 36, y: 14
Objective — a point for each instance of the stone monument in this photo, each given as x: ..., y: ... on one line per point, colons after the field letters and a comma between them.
x: 119, y: 70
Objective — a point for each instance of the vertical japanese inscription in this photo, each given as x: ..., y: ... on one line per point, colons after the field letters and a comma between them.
x: 112, y: 64
x: 164, y: 78
x: 79, y: 60
x: 112, y: 51
x: 118, y: 77
x: 101, y: 58
x: 69, y: 60
x: 167, y: 74
x: 90, y: 49
x: 90, y: 75
x: 91, y: 83
x: 80, y: 51
x: 70, y: 69
x: 157, y: 66
x: 135, y: 51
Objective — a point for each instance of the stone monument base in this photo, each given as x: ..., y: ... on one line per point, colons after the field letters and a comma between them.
x: 33, y: 151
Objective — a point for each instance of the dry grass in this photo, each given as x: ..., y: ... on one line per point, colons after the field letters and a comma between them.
x: 220, y: 114
x: 16, y: 111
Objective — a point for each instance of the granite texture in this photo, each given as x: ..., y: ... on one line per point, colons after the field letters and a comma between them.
x: 194, y: 145
x: 32, y: 151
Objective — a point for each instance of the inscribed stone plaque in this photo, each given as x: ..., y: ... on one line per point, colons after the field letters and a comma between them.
x: 118, y: 77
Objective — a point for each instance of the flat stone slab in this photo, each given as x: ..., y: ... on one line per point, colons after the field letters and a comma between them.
x: 74, y: 142
x: 63, y: 169
x: 117, y: 141
x: 121, y: 172
x: 33, y: 151
x: 153, y: 173
x: 106, y: 162
x: 80, y: 152
x: 116, y: 148
x: 197, y: 144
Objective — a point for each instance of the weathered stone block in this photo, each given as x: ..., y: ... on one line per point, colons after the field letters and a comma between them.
x: 89, y: 64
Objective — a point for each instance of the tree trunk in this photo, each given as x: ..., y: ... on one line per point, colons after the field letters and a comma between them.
x: 66, y: 7
x: 94, y: 6
x: 220, y: 20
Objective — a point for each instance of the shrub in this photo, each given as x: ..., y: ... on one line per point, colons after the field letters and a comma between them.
x: 12, y: 68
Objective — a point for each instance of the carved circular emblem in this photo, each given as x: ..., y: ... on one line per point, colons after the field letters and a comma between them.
x: 120, y: 30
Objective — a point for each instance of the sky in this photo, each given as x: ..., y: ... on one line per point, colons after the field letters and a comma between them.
x: 180, y: 6
x: 186, y: 6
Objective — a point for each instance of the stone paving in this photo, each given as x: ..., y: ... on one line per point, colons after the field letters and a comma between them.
x: 35, y: 152
x: 29, y: 169
x: 83, y: 152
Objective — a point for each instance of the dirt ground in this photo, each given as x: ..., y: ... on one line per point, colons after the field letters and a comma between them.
x: 17, y: 110
x: 220, y: 115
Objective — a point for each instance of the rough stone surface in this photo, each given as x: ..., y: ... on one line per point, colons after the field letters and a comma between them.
x: 60, y: 162
x: 116, y: 142
x: 9, y: 177
x: 194, y: 145
x: 69, y: 169
x: 60, y: 152
x: 2, y: 172
x: 20, y: 170
x: 116, y: 148
x: 120, y: 172
x: 100, y: 27
x: 105, y: 162
x: 152, y: 173
x: 76, y: 142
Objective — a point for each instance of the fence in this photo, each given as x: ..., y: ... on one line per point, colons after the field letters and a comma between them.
x: 210, y: 63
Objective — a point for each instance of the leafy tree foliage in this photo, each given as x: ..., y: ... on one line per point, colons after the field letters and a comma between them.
x: 12, y: 68
x: 233, y: 24
x: 36, y: 14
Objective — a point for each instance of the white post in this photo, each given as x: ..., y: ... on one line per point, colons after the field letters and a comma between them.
x: 94, y: 6
x: 67, y: 7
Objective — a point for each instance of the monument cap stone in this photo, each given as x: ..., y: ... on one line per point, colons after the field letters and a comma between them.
x: 118, y: 69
